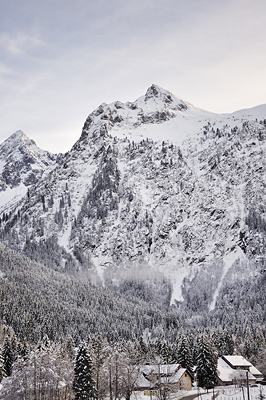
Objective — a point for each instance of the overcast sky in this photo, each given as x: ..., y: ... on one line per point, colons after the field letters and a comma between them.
x: 60, y: 59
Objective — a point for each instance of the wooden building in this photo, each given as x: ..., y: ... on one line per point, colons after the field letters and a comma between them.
x: 171, y: 377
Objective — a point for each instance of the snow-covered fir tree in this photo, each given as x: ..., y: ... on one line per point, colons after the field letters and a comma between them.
x: 7, y: 355
x: 206, y: 369
x: 2, y: 367
x: 183, y: 356
x: 84, y: 384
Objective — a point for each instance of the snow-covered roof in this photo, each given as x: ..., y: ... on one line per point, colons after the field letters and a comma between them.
x: 173, y: 378
x: 142, y: 382
x: 156, y: 369
x: 255, y: 371
x: 237, y: 361
x: 226, y: 373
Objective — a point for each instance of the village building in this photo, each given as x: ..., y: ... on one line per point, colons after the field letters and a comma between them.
x: 236, y: 370
x: 171, y: 377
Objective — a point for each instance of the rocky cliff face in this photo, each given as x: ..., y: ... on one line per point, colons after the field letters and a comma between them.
x: 152, y: 187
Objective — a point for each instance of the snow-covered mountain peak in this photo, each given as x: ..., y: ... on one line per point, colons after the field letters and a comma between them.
x: 156, y: 91
x: 169, y: 117
x: 155, y: 95
x: 18, y: 134
x: 14, y: 141
x: 22, y: 163
x: 19, y: 146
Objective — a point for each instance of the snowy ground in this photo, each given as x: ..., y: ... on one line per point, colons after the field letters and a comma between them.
x: 220, y: 393
x: 232, y: 393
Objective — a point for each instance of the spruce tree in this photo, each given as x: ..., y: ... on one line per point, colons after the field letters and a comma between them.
x: 2, y: 368
x: 248, y: 343
x: 259, y: 339
x: 166, y: 353
x: 8, y: 356
x: 184, y: 357
x: 143, y: 349
x: 223, y: 342
x: 229, y: 343
x: 216, y: 338
x: 70, y: 347
x: 44, y: 344
x: 206, y: 363
x: 83, y: 383
x: 23, y: 348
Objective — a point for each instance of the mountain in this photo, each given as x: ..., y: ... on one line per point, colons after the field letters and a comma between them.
x: 155, y: 189
x: 22, y: 164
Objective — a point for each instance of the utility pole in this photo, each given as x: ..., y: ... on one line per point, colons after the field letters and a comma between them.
x: 248, y: 387
x: 243, y: 391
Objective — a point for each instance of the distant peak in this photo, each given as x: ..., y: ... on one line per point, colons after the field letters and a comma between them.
x: 166, y: 98
x: 18, y: 134
x: 157, y: 91
x: 154, y: 90
x: 17, y: 139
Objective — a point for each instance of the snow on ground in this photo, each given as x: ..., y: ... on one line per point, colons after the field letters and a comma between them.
x: 9, y: 196
x: 220, y: 392
x: 176, y: 130
x: 63, y: 240
x: 229, y: 260
x: 99, y: 265
x: 176, y: 281
x: 235, y: 393
x: 184, y: 125
x: 257, y: 112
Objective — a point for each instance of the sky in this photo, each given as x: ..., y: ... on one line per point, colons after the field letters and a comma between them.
x: 60, y: 59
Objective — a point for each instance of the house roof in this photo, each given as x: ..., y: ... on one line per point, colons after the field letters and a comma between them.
x: 142, y: 382
x: 224, y: 370
x: 174, y: 378
x: 255, y: 371
x: 155, y: 369
x: 237, y: 361
x: 226, y: 373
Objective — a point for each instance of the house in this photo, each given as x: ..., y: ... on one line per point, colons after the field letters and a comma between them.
x: 153, y: 378
x: 236, y: 369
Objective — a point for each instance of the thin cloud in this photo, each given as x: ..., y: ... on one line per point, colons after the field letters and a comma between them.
x: 20, y: 43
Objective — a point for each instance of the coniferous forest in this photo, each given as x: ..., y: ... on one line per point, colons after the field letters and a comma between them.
x: 48, y: 315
